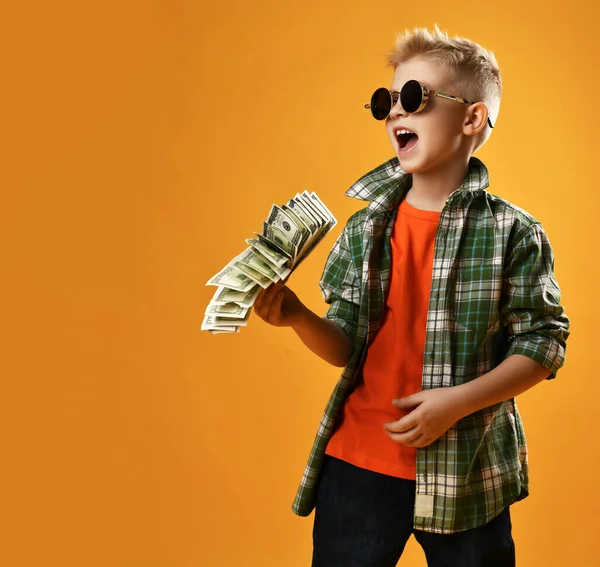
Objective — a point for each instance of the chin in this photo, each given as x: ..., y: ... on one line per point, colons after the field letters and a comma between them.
x: 411, y: 162
x: 411, y: 165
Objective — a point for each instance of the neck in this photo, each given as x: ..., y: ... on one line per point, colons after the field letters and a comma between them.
x: 430, y: 189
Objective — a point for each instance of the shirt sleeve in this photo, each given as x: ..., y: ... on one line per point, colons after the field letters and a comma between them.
x: 537, y: 324
x: 340, y: 286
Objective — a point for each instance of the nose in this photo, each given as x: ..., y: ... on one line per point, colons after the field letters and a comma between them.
x: 397, y: 110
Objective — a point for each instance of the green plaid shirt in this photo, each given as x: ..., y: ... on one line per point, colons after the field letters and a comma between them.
x: 493, y: 294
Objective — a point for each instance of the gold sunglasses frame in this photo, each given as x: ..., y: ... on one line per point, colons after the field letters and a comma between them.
x: 426, y: 93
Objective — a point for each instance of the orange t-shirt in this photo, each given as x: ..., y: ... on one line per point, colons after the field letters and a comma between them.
x: 393, y: 366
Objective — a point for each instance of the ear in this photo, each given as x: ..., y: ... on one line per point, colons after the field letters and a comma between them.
x: 476, y: 118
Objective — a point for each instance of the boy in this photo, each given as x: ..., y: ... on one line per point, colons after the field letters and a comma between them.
x: 444, y: 307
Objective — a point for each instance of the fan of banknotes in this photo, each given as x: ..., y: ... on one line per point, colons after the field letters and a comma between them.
x: 288, y: 236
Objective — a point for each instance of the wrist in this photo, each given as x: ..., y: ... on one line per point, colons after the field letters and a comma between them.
x: 469, y: 397
x: 462, y: 401
x: 299, y: 320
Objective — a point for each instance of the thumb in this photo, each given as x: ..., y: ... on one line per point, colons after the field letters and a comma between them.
x: 407, y: 402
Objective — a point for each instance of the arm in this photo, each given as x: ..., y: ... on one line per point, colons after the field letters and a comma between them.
x: 433, y: 412
x: 331, y: 336
x: 536, y: 322
x: 324, y: 337
x: 515, y: 375
x: 537, y: 327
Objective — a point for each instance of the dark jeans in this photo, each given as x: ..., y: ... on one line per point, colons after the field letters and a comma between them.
x: 364, y: 519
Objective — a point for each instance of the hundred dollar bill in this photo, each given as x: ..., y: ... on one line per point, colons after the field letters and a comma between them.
x: 284, y: 272
x: 281, y: 272
x: 317, y: 207
x: 225, y: 295
x: 299, y: 211
x: 306, y: 201
x: 299, y: 202
x: 214, y: 321
x: 288, y: 236
x: 210, y: 323
x: 272, y: 244
x: 222, y: 332
x: 230, y: 310
x: 259, y: 263
x: 330, y: 223
x: 288, y: 245
x: 230, y: 277
x: 225, y: 320
x: 273, y: 256
x: 282, y: 221
x: 262, y: 280
x: 306, y: 232
x: 321, y: 206
x: 269, y: 245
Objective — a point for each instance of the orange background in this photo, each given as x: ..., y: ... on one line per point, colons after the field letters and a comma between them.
x: 142, y: 143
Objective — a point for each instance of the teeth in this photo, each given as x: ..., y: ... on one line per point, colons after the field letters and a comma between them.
x: 403, y: 131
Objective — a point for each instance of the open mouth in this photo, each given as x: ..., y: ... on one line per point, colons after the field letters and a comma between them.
x: 406, y: 140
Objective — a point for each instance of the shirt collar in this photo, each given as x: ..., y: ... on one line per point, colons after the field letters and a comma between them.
x: 386, y: 185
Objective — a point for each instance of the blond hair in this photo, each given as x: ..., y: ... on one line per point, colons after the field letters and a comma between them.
x: 473, y: 69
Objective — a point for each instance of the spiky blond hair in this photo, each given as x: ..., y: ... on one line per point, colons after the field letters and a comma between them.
x: 473, y: 69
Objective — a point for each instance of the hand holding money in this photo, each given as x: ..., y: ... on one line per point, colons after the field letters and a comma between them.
x: 288, y: 236
x: 278, y: 305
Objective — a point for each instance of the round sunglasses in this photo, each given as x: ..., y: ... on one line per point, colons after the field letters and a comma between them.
x: 413, y: 96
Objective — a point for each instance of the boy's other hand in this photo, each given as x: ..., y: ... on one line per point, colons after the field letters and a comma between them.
x: 278, y: 305
x: 433, y: 413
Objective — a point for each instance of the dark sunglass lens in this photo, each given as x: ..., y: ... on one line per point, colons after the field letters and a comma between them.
x: 381, y: 103
x: 411, y: 95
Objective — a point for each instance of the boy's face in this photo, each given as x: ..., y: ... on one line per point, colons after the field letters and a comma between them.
x: 439, y: 126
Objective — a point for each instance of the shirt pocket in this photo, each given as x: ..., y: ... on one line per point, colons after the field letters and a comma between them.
x: 478, y: 290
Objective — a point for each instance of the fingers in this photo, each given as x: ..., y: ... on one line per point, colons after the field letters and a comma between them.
x: 406, y: 436
x: 412, y: 438
x: 420, y: 441
x: 262, y: 295
x: 404, y: 424
x: 274, y: 315
x: 264, y: 300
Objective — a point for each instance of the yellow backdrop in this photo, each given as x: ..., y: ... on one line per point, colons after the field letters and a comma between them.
x: 142, y: 143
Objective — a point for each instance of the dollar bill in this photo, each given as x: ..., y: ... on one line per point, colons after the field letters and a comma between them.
x: 301, y: 207
x: 225, y: 295
x: 288, y: 245
x: 230, y: 277
x: 285, y: 224
x: 221, y: 322
x: 210, y: 323
x: 306, y: 232
x: 224, y: 320
x: 272, y: 245
x: 229, y: 310
x: 273, y: 256
x: 297, y: 209
x: 258, y: 262
x: 221, y: 331
x: 262, y: 280
x: 288, y: 236
x: 263, y: 265
x: 321, y: 206
x: 306, y: 201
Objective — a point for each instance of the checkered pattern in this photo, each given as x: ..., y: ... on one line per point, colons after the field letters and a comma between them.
x: 493, y: 294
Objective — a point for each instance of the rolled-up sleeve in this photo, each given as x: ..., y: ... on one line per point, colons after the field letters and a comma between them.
x: 340, y: 286
x: 537, y: 324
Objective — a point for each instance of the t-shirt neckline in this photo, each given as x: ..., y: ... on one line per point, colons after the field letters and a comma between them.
x: 407, y: 209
